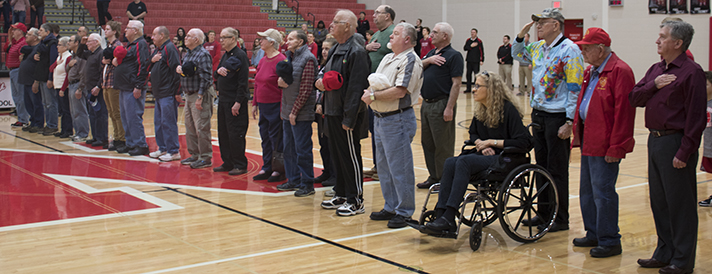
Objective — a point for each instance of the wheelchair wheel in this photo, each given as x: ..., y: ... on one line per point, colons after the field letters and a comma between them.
x: 489, y: 210
x: 427, y: 216
x: 476, y: 235
x: 527, y: 191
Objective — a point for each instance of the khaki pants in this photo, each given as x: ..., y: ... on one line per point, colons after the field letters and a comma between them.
x: 506, y: 72
x: 111, y: 96
x: 197, y: 126
x: 525, y: 79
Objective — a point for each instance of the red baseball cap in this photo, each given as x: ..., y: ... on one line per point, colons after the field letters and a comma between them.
x: 20, y: 26
x: 332, y: 80
x: 119, y: 54
x: 595, y: 36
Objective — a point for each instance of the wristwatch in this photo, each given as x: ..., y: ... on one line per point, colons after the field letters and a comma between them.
x: 495, y: 142
x: 569, y: 122
x: 200, y: 97
x: 373, y: 96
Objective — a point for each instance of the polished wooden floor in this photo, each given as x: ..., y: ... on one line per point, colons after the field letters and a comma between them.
x: 215, y: 229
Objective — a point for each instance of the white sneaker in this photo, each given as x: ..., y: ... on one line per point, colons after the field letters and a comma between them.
x: 349, y: 209
x: 78, y: 139
x: 169, y: 157
x: 156, y: 154
x: 330, y: 193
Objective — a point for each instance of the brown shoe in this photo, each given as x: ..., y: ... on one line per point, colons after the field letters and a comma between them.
x: 672, y: 269
x: 651, y: 263
x: 426, y: 184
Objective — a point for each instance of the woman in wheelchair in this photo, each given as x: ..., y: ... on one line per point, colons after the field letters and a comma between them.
x: 497, y: 124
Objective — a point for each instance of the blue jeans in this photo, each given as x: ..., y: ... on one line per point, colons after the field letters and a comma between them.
x: 49, y: 101
x: 19, y: 16
x: 33, y: 104
x: 39, y: 15
x: 80, y: 114
x: 394, y: 158
x: 298, y: 156
x: 18, y: 96
x: 132, y: 118
x: 99, y: 120
x: 599, y: 200
x: 165, y: 121
x: 456, y: 176
x: 66, y: 112
x: 270, y: 131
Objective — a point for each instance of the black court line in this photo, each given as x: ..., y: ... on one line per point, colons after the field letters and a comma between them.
x: 28, y: 140
x: 351, y: 249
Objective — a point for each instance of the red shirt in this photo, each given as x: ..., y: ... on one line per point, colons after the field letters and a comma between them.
x: 214, y: 49
x: 681, y: 105
x: 266, y: 88
x: 426, y: 45
x: 313, y: 47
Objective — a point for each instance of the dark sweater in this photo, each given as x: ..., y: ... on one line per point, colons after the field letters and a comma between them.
x: 93, y: 68
x: 233, y: 87
x: 164, y: 79
x: 511, y: 130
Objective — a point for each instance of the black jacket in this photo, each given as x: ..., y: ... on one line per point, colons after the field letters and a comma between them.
x: 133, y: 70
x: 504, y: 54
x: 351, y: 60
x: 26, y: 76
x: 164, y: 79
x: 93, y: 68
x: 474, y: 54
x: 48, y: 55
x: 233, y: 87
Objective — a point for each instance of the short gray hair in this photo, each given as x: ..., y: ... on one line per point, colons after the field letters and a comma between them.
x: 446, y: 28
x: 274, y: 42
x: 136, y: 24
x: 680, y: 30
x: 409, y: 31
x: 33, y: 31
x: 63, y: 41
x: 97, y: 37
x: 198, y: 34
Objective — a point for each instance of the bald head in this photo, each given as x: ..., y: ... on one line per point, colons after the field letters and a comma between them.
x: 160, y: 35
x: 344, y: 25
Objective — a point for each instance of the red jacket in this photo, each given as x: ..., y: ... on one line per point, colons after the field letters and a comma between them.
x: 12, y: 60
x: 610, y: 118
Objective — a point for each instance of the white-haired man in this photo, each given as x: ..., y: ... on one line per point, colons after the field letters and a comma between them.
x: 91, y: 84
x: 130, y: 79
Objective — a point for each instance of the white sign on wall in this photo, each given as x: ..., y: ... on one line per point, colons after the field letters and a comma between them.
x: 6, y: 93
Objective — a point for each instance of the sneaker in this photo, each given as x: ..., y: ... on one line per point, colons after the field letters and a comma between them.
x: 382, y: 215
x: 333, y: 203
x: 349, y: 209
x: 48, y: 131
x: 17, y: 124
x: 289, y: 185
x: 156, y: 154
x: 139, y: 151
x: 79, y: 139
x: 398, y: 221
x: 201, y: 164
x: 304, y: 191
x: 169, y: 157
x: 189, y: 160
x: 329, y: 193
x: 706, y: 203
x: 35, y: 129
x: 27, y: 127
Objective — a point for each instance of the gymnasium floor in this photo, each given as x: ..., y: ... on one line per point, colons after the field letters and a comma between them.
x: 68, y: 208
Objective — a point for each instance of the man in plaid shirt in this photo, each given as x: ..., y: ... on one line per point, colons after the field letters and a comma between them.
x: 196, y: 82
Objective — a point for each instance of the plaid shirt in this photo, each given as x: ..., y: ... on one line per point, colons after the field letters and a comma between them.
x: 305, y: 87
x: 108, y: 80
x: 203, y: 77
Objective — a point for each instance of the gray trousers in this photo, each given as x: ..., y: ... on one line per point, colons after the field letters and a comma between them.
x: 437, y: 137
x: 197, y: 126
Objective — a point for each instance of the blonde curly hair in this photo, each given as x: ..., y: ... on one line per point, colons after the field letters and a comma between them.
x: 492, y: 114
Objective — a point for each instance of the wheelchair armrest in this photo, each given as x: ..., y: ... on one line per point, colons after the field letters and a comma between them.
x: 515, y: 150
x: 470, y: 142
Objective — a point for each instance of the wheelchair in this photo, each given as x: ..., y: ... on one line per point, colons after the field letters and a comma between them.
x: 511, y: 190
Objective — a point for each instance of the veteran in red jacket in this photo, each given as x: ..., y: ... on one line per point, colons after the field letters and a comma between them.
x: 603, y: 128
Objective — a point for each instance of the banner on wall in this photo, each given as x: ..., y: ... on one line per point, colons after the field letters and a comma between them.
x: 657, y: 6
x: 699, y: 6
x: 6, y: 94
x: 678, y: 6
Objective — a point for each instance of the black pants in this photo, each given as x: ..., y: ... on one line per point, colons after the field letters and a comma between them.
x: 66, y: 113
x: 324, y: 148
x: 472, y: 67
x: 231, y: 135
x: 103, y: 10
x: 345, y: 148
x: 553, y: 154
x: 673, y: 198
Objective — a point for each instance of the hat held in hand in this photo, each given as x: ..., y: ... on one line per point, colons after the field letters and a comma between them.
x: 232, y: 64
x: 284, y: 70
x: 332, y: 80
x: 119, y: 54
x: 189, y: 69
x: 378, y: 81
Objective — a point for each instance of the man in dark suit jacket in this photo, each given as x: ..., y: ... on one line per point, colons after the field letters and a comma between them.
x: 475, y: 57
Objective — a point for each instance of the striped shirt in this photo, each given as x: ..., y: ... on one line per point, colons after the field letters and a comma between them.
x: 200, y: 82
x: 404, y: 70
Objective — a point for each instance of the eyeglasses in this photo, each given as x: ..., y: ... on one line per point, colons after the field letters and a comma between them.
x: 226, y: 37
x: 339, y: 22
x: 541, y: 24
x: 485, y: 73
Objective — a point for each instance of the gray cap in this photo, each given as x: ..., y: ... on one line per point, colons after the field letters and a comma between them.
x: 553, y: 13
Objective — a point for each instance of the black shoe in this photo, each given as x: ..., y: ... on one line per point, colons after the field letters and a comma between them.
x: 673, y: 269
x: 221, y: 168
x: 606, y: 251
x: 330, y: 182
x: 201, y: 164
x: 289, y: 185
x: 115, y: 145
x: 189, y: 160
x: 26, y: 128
x: 123, y: 149
x: 382, y: 215
x: 277, y: 178
x: 398, y: 221
x: 88, y: 142
x: 554, y: 227
x: 263, y: 176
x: 426, y: 184
x: 48, y: 131
x: 323, y: 177
x: 440, y: 226
x: 58, y: 133
x: 304, y: 191
x: 237, y: 171
x: 97, y: 143
x: 532, y: 222
x: 139, y: 151
x: 651, y: 263
x: 65, y: 135
x: 35, y: 129
x: 585, y: 242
